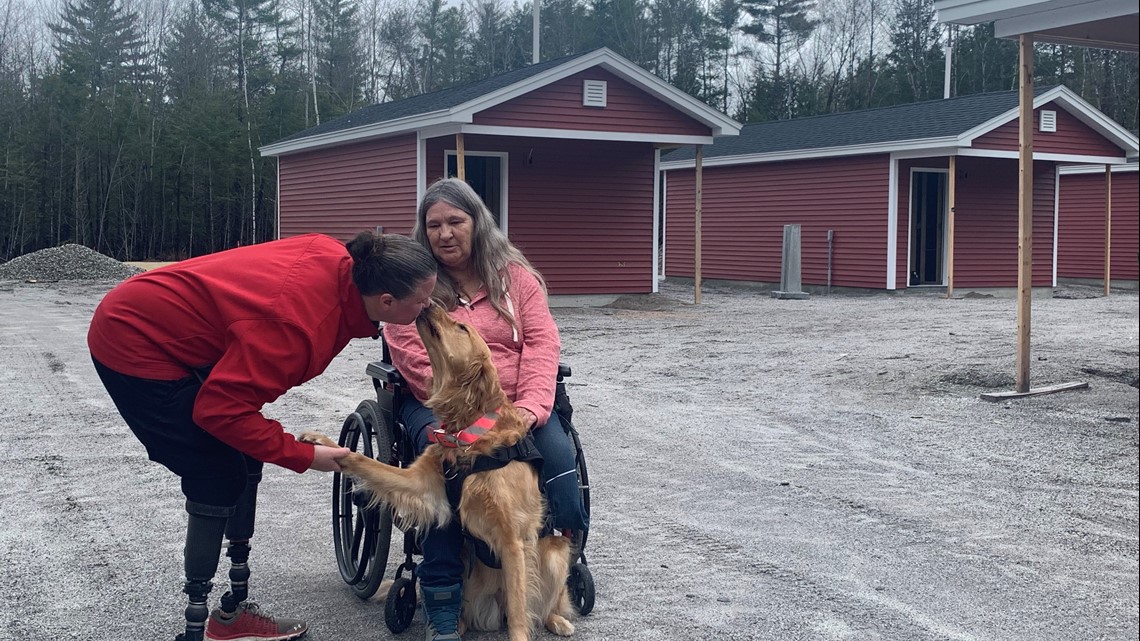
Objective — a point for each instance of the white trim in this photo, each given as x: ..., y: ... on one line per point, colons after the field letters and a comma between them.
x: 620, y: 136
x: 923, y: 144
x: 439, y: 131
x: 1098, y: 169
x: 278, y: 200
x: 656, y: 204
x: 978, y: 11
x: 938, y: 152
x: 504, y: 161
x: 664, y: 214
x: 1056, y: 216
x: 1068, y: 158
x: 892, y: 222
x: 400, y: 126
x: 942, y: 223
x: 421, y: 168
x: 1045, y: 18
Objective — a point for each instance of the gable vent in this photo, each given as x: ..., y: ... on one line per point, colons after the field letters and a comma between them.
x: 1048, y: 120
x: 594, y: 93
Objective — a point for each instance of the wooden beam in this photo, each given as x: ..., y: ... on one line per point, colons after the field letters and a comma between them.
x: 950, y: 188
x: 1025, y: 211
x: 460, y: 158
x: 697, y: 226
x: 1107, y: 229
x: 1049, y: 389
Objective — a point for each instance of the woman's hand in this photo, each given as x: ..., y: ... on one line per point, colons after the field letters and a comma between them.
x: 325, y: 458
x: 528, y: 418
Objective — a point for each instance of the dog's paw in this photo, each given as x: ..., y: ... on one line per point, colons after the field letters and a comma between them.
x: 559, y: 625
x: 316, y: 438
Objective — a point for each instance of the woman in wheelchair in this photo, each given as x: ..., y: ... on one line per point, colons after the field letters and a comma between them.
x: 485, y: 282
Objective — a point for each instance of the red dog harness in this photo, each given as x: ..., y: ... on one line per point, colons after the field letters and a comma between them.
x: 466, y: 436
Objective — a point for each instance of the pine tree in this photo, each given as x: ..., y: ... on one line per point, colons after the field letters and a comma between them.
x: 784, y: 25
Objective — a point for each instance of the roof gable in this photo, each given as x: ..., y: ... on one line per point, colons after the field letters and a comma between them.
x: 457, y: 105
x: 932, y: 124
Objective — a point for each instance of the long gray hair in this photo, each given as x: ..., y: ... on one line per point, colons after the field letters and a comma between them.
x: 491, y: 250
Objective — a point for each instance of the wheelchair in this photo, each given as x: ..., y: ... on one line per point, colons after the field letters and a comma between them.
x: 362, y: 535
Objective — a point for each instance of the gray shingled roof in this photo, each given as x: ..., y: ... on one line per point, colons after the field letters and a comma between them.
x: 915, y: 121
x: 428, y: 102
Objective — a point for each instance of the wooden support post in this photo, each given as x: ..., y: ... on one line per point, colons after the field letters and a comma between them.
x: 460, y: 161
x: 951, y: 181
x: 697, y: 226
x: 1107, y: 229
x: 1025, y: 212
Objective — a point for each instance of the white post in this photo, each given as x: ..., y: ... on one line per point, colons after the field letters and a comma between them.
x: 534, y: 37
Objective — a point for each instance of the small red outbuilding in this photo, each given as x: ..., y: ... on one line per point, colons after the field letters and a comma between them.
x: 871, y: 191
x: 565, y: 153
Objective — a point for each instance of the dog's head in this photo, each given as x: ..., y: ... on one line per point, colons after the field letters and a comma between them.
x: 464, y: 380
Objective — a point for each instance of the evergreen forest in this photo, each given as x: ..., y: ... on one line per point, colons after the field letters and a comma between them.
x: 133, y: 126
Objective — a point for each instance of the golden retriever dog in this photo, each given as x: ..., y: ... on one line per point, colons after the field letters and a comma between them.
x: 502, y: 507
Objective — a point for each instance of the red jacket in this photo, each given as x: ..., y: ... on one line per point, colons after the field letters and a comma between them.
x: 266, y: 318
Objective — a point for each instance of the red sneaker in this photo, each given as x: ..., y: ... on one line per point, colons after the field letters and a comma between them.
x: 248, y: 623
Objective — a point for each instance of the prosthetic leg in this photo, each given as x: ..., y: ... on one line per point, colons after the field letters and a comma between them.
x: 208, y: 523
x: 239, y: 531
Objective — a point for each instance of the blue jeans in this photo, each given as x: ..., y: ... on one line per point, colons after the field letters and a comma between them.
x: 442, y: 564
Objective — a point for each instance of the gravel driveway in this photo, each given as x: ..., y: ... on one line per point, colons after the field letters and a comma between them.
x: 762, y: 469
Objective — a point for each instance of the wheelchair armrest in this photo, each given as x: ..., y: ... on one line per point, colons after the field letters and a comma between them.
x: 563, y: 371
x: 382, y: 372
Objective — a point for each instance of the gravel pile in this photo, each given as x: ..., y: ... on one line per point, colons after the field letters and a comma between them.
x: 67, y: 262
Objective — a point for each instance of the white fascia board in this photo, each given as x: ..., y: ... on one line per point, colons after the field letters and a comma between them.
x: 1069, y: 14
x: 1062, y: 158
x: 1070, y: 170
x: 979, y: 11
x: 720, y: 124
x: 1080, y: 158
x: 578, y: 134
x: 925, y: 146
x: 357, y: 134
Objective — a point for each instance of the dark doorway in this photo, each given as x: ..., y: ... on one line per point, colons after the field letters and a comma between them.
x: 485, y: 175
x: 927, y: 227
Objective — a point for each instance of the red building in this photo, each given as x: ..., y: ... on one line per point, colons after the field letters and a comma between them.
x: 565, y: 153
x: 1081, y: 224
x: 871, y: 190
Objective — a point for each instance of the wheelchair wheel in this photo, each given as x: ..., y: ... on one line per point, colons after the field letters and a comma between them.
x: 581, y: 586
x: 361, y: 534
x: 400, y: 606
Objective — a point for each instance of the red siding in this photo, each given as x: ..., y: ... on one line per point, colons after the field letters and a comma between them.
x: 559, y: 106
x: 581, y: 211
x: 1080, y: 238
x: 986, y: 229
x: 1072, y: 137
x: 745, y: 207
x: 343, y: 190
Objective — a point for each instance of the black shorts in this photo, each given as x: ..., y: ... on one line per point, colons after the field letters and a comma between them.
x: 160, y: 414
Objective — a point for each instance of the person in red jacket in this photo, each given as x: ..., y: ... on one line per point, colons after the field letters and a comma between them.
x: 191, y: 352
